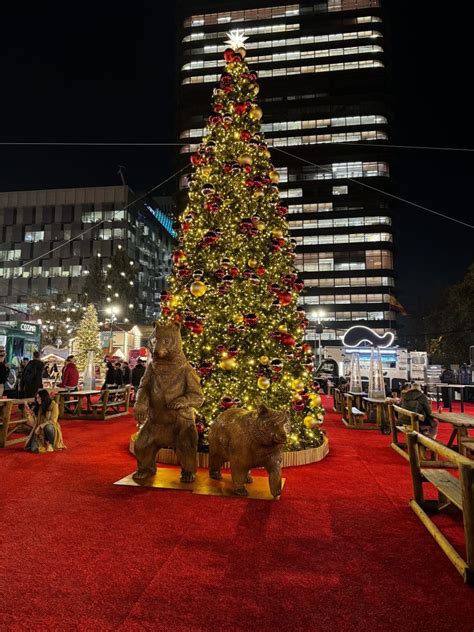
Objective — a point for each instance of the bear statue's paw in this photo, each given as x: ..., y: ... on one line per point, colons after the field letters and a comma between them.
x: 249, y: 478
x: 215, y: 474
x: 141, y: 475
x: 187, y: 477
x: 240, y: 491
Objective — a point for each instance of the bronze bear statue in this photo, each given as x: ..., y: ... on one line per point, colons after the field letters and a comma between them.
x: 168, y: 394
x: 247, y: 440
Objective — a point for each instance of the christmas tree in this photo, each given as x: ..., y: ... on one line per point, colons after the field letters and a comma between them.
x: 88, y: 337
x: 234, y: 286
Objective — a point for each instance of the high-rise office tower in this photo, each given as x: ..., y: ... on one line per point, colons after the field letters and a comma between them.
x: 322, y: 68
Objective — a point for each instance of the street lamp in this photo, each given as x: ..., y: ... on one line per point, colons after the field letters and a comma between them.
x: 318, y: 315
x: 113, y: 311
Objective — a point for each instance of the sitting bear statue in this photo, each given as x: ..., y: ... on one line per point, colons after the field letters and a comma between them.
x: 168, y: 394
x: 248, y: 439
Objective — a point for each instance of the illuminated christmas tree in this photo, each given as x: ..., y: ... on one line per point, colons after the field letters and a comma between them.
x: 234, y: 286
x: 88, y: 337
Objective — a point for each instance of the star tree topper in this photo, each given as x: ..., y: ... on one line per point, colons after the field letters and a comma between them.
x: 236, y: 39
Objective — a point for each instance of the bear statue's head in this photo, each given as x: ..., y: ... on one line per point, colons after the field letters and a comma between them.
x: 168, y: 343
x: 270, y: 426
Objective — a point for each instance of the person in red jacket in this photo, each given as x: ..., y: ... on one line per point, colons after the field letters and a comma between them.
x: 70, y: 376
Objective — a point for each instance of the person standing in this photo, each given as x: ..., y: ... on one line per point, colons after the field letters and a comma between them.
x: 70, y: 378
x: 137, y: 374
x: 109, y: 377
x: 446, y: 377
x: 21, y: 370
x: 118, y: 374
x: 32, y: 376
x: 3, y: 372
x: 127, y: 376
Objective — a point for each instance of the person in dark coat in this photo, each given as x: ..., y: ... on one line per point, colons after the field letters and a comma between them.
x: 109, y: 377
x: 118, y: 374
x: 32, y: 376
x: 137, y: 374
x: 126, y: 373
x: 415, y: 400
x: 447, y: 377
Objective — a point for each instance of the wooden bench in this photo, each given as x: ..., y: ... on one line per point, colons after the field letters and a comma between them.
x: 83, y: 405
x: 396, y: 426
x: 452, y: 491
x: 12, y: 416
x: 352, y: 417
x: 338, y: 398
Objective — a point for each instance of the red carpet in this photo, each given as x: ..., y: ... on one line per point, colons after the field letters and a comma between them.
x: 341, y: 551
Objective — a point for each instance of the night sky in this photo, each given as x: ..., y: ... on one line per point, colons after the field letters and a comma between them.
x: 104, y: 72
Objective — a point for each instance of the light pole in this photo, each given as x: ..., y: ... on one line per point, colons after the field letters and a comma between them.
x: 318, y: 315
x: 112, y: 311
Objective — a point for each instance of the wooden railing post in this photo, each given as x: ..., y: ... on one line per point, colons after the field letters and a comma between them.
x: 417, y: 479
x: 466, y: 477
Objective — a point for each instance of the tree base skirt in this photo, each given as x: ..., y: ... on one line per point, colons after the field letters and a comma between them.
x: 290, y: 459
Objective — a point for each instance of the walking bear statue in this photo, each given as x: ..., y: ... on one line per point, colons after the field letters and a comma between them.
x: 248, y: 439
x: 168, y: 393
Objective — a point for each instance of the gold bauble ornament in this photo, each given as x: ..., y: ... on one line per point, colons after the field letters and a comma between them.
x: 297, y: 384
x: 267, y: 154
x: 256, y: 113
x: 277, y: 233
x: 310, y: 421
x: 258, y: 193
x: 263, y: 383
x: 315, y: 400
x: 255, y: 88
x: 228, y: 364
x: 260, y: 225
x: 282, y: 329
x: 198, y: 288
x: 252, y: 263
x: 264, y: 359
x: 244, y: 159
x: 274, y: 177
x: 238, y: 318
x: 206, y: 172
x: 174, y: 302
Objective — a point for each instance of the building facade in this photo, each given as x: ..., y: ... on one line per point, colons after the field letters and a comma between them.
x: 39, y: 255
x: 324, y: 91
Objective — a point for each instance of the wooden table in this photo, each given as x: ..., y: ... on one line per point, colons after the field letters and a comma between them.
x: 10, y: 421
x: 65, y: 403
x: 358, y: 397
x: 450, y: 387
x: 380, y: 408
x: 461, y: 423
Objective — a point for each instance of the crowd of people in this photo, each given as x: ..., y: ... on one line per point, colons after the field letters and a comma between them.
x: 42, y: 417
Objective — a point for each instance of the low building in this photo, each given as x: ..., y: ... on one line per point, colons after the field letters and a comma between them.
x: 48, y: 239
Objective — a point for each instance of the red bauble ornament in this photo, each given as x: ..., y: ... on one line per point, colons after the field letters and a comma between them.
x: 165, y: 311
x: 220, y: 348
x: 260, y: 271
x: 234, y: 271
x: 298, y: 404
x: 232, y: 329
x: 229, y: 54
x: 239, y: 108
x: 251, y: 319
x: 184, y: 273
x: 249, y: 183
x: 227, y: 168
x: 179, y: 257
x: 195, y: 159
x: 226, y: 402
x: 198, y: 328
x: 185, y: 226
x: 282, y: 211
x: 233, y: 352
x: 210, y: 238
x: 287, y: 340
x: 298, y: 286
x: 245, y: 135
x: 285, y: 298
x: 247, y: 168
x: 306, y: 348
x: 205, y: 368
x: 189, y: 322
x: 200, y: 427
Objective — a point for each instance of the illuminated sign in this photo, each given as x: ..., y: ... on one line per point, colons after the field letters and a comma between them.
x: 359, y: 334
x: 28, y: 328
